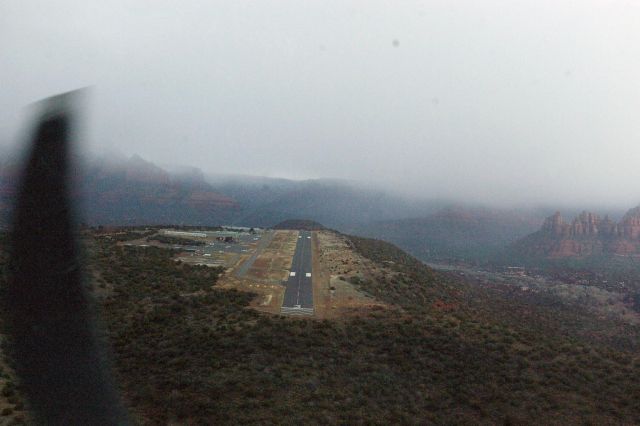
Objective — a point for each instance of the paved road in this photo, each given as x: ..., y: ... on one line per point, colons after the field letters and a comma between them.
x: 265, y: 240
x: 298, y: 295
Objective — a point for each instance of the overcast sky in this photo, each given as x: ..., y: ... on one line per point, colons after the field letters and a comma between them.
x: 496, y: 101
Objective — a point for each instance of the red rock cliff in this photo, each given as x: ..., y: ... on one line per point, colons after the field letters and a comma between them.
x: 585, y: 235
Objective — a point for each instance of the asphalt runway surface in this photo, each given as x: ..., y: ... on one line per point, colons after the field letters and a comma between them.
x: 299, y: 290
x: 265, y: 240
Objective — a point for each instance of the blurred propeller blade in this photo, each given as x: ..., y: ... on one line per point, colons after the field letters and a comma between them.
x: 55, y: 347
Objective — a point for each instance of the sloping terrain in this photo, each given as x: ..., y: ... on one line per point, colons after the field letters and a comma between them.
x: 471, y: 234
x: 587, y: 250
x: 338, y: 271
x: 334, y: 203
x: 308, y: 225
x: 451, y: 352
x: 137, y: 191
x: 132, y: 192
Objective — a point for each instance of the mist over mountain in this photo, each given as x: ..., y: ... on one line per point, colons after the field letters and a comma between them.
x: 334, y: 203
x: 129, y: 191
x: 116, y: 190
x: 460, y: 233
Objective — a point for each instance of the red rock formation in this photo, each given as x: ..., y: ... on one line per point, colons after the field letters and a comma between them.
x: 567, y: 248
x: 586, y: 235
x: 623, y: 247
x: 630, y: 224
x: 555, y: 225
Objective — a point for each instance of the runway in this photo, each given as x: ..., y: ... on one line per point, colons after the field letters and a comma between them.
x: 298, y: 295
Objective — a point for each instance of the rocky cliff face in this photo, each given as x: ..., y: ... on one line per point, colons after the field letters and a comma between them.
x: 587, y: 234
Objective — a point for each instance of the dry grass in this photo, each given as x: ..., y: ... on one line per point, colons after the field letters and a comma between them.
x: 266, y: 275
x: 335, y: 264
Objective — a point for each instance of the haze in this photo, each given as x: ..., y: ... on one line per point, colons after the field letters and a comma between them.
x: 502, y: 102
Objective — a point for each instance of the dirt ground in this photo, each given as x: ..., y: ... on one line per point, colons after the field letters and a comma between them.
x: 273, y: 264
x: 267, y: 274
x: 204, y: 255
x: 333, y: 264
x: 269, y: 296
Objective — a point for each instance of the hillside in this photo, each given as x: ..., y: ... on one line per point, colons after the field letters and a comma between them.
x: 187, y: 351
x: 471, y: 234
x: 120, y: 191
x: 137, y: 192
x: 334, y: 203
x: 308, y: 225
x: 130, y: 191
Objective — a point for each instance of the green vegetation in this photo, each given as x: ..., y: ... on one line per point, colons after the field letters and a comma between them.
x: 471, y: 235
x: 166, y: 239
x: 540, y: 314
x: 603, y: 270
x: 126, y: 235
x: 188, y: 352
x: 11, y: 400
